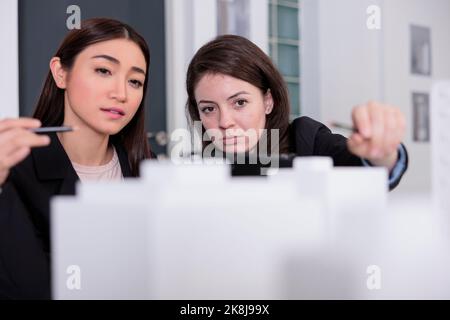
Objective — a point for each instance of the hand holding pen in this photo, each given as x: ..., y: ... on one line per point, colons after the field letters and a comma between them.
x: 17, y: 138
x: 377, y: 132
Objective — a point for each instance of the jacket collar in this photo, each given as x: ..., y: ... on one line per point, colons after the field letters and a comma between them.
x: 53, y: 163
x: 123, y: 160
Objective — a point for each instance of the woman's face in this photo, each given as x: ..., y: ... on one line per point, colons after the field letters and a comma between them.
x: 104, y: 88
x: 232, y: 111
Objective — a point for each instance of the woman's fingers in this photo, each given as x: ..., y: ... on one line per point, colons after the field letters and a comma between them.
x: 26, y: 123
x: 17, y: 138
x: 381, y: 129
x: 361, y: 121
x: 16, y: 141
x: 377, y: 119
x: 391, y: 138
x: 358, y: 145
x: 3, y: 175
x: 14, y: 158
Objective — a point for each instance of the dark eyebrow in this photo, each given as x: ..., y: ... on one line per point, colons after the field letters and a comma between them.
x: 139, y: 70
x: 206, y: 101
x: 237, y: 94
x: 230, y: 98
x: 106, y: 57
x: 115, y: 61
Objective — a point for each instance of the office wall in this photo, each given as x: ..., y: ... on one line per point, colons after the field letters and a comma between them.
x: 341, y: 58
x: 9, y: 56
x: 399, y: 83
x: 189, y: 24
x: 347, y: 64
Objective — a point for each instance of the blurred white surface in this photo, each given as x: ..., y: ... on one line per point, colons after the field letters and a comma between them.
x: 192, y: 232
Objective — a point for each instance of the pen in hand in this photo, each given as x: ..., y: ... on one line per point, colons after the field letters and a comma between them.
x: 339, y: 125
x: 51, y: 129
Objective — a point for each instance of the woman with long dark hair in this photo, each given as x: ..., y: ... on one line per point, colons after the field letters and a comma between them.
x: 236, y: 93
x: 96, y: 84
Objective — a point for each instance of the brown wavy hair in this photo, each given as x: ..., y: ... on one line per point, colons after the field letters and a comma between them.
x: 238, y: 57
x: 50, y: 107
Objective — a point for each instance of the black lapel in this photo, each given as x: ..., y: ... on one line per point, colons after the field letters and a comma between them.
x: 52, y: 163
x: 123, y: 160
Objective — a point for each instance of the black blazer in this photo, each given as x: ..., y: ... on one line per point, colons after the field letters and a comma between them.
x: 25, y: 218
x: 312, y: 138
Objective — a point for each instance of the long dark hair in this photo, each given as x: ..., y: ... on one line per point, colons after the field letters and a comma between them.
x: 50, y: 106
x: 238, y: 57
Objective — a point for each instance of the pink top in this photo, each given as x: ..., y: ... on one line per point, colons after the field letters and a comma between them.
x: 108, y: 172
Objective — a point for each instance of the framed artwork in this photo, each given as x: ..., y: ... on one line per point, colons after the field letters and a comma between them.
x: 421, y: 62
x: 421, y: 117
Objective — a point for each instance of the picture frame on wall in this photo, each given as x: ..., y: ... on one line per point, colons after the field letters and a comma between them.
x: 421, y: 58
x: 421, y: 117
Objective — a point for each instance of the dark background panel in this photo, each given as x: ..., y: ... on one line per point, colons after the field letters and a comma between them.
x: 42, y: 27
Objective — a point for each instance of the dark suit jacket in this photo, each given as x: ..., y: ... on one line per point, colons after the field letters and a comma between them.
x: 312, y: 138
x: 24, y: 218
